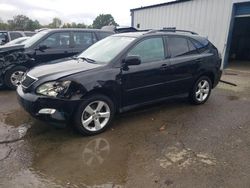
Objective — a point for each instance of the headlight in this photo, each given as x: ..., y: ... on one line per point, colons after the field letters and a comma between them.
x: 53, y: 89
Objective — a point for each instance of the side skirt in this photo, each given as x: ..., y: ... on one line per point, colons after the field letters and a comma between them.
x: 130, y: 107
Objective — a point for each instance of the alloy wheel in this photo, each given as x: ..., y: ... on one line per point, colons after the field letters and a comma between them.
x: 95, y: 116
x: 17, y: 77
x: 202, y: 90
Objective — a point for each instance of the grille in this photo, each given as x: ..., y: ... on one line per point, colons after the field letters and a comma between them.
x: 28, y: 81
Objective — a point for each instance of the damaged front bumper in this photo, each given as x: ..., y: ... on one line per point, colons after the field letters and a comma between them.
x: 46, y: 108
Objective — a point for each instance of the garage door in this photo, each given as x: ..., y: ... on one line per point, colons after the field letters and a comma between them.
x: 242, y: 9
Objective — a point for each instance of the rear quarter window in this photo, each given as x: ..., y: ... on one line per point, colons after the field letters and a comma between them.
x: 200, y: 43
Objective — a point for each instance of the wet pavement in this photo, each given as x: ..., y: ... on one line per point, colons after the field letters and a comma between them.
x: 171, y: 144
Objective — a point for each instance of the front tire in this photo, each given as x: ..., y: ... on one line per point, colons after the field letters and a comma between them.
x: 201, y: 91
x: 14, y: 76
x: 94, y: 115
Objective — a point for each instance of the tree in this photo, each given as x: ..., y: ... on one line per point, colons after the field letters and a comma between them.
x: 74, y: 25
x: 33, y: 25
x: 3, y: 26
x: 19, y: 22
x: 81, y: 25
x: 56, y: 23
x: 102, y: 20
x: 22, y: 22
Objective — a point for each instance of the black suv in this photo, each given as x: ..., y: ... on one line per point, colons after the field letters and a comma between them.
x: 119, y: 73
x: 47, y: 45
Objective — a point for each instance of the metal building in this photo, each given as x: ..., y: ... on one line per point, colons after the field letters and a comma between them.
x: 226, y: 23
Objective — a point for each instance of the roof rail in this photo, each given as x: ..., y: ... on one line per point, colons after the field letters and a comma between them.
x: 173, y: 29
x: 168, y: 29
x: 150, y: 31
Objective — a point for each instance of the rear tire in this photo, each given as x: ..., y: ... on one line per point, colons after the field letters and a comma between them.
x: 94, y: 115
x: 13, y: 77
x: 200, y: 91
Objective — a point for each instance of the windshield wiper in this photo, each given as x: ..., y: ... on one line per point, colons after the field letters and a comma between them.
x: 87, y: 59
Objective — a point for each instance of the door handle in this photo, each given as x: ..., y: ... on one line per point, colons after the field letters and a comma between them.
x: 163, y: 67
x: 198, y: 60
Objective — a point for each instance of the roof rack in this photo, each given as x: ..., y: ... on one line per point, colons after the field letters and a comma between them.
x: 170, y: 29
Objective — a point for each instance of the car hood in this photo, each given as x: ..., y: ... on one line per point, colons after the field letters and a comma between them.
x: 11, y: 48
x: 62, y: 68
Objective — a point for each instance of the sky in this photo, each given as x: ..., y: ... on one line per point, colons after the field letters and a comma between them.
x: 79, y: 11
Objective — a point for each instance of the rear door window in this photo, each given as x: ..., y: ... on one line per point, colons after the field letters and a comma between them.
x: 83, y: 39
x: 180, y: 46
x: 57, y: 40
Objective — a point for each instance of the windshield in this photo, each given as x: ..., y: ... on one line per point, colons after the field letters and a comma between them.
x: 107, y: 49
x: 32, y: 40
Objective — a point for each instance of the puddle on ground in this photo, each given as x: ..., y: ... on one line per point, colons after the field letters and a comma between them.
x: 81, y: 160
x: 16, y: 118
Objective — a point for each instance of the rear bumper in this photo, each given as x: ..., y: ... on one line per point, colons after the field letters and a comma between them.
x: 47, y: 109
x: 217, y: 78
x: 1, y: 80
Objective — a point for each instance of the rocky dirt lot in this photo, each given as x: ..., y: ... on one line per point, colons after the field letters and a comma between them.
x: 171, y: 144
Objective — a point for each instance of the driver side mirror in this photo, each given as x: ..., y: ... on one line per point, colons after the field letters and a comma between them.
x: 132, y: 60
x: 42, y: 47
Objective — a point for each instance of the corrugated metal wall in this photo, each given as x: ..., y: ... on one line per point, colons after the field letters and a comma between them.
x: 209, y: 18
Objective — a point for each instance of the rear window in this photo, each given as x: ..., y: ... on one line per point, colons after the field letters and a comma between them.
x: 83, y: 39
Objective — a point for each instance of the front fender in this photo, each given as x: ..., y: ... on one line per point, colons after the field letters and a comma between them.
x: 102, y: 81
x: 11, y: 59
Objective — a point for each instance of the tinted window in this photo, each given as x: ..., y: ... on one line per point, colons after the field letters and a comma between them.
x: 83, y: 39
x: 57, y: 40
x: 200, y: 42
x: 3, y: 37
x: 103, y: 35
x: 15, y: 35
x: 191, y: 46
x: 149, y: 50
x: 178, y: 46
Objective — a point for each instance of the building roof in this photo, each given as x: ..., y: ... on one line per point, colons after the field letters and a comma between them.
x: 159, y: 5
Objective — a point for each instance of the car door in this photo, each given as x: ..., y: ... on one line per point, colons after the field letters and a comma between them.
x: 184, y: 62
x: 82, y: 40
x: 145, y: 82
x: 56, y: 46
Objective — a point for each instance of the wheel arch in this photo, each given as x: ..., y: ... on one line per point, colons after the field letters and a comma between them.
x: 209, y: 74
x: 106, y: 92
